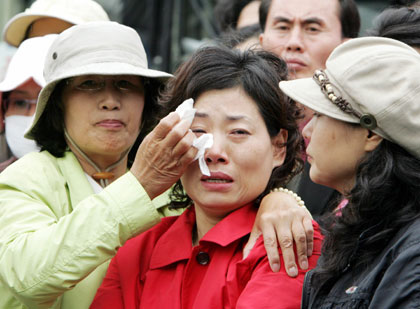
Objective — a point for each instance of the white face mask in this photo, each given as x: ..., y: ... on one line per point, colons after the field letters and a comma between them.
x: 15, y: 128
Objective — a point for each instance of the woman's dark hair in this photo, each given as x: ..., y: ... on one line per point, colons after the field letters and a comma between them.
x: 226, y: 13
x: 402, y: 24
x: 349, y: 17
x: 49, y: 132
x: 403, y: 2
x: 258, y: 73
x: 4, y: 97
x: 384, y: 198
x: 234, y: 37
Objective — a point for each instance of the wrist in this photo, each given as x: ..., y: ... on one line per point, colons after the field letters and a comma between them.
x: 297, y: 198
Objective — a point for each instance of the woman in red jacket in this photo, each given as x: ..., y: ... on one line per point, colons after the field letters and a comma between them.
x: 195, y: 260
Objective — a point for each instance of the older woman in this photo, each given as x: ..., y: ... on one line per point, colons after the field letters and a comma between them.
x: 56, y: 235
x: 366, y: 114
x: 54, y: 232
x: 256, y: 148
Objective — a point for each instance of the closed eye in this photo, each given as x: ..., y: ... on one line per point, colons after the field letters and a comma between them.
x: 240, y: 132
x: 198, y: 132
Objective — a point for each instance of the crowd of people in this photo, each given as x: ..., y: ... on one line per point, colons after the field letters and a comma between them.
x: 122, y: 186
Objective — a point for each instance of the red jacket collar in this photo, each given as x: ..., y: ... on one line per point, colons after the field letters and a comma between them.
x: 176, y: 243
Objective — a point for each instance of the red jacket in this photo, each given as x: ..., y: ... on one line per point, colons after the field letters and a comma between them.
x: 161, y: 269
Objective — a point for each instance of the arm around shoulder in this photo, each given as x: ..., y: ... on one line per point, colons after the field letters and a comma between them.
x: 268, y: 289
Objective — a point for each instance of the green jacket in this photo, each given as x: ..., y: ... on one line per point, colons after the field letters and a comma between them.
x: 57, y: 236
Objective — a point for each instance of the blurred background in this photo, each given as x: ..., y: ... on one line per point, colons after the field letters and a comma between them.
x: 170, y: 29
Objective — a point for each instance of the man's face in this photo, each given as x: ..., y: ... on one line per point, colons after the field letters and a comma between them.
x: 303, y: 33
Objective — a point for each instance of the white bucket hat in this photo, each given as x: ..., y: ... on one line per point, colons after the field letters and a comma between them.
x: 72, y: 11
x: 27, y: 62
x: 96, y: 48
x: 372, y: 81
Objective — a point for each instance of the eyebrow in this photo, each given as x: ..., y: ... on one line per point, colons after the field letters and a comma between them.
x: 229, y: 117
x: 306, y: 21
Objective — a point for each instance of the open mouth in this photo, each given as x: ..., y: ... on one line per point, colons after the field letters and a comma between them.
x: 212, y: 180
x: 217, y: 177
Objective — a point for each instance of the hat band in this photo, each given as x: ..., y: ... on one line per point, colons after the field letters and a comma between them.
x: 367, y: 121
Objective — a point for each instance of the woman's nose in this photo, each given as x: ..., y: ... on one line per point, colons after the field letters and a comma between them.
x: 217, y: 153
x: 307, y: 130
x: 110, y: 98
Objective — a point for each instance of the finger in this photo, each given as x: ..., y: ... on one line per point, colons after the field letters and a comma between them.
x: 183, y: 145
x: 165, y: 125
x: 187, y: 158
x: 286, y: 244
x: 299, y: 236
x: 177, y: 133
x: 309, y: 230
x: 255, y: 234
x: 270, y: 244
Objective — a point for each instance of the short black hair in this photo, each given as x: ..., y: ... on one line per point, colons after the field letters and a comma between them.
x: 232, y: 38
x: 402, y: 24
x: 226, y: 13
x: 349, y: 17
x: 258, y: 73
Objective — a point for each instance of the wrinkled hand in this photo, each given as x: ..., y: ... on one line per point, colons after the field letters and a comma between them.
x: 281, y: 221
x: 164, y: 155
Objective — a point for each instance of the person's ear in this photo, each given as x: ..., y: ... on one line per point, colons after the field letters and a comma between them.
x: 279, y: 147
x: 261, y: 38
x: 372, y: 141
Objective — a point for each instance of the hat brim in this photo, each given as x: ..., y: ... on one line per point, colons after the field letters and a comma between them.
x: 15, y: 29
x: 307, y: 92
x: 91, y: 69
x: 9, y: 85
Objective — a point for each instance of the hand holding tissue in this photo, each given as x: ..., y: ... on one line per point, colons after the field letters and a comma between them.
x: 186, y: 111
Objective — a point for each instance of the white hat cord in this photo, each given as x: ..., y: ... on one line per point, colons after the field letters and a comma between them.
x: 186, y: 111
x: 102, y: 176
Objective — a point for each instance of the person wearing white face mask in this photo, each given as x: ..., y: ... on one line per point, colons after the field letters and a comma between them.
x: 19, y: 91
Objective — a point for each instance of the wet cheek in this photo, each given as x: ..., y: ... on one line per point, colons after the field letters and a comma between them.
x: 252, y: 158
x: 191, y: 179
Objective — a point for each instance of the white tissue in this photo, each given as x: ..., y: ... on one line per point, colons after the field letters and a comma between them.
x: 186, y: 110
x: 205, y: 141
x: 202, y: 143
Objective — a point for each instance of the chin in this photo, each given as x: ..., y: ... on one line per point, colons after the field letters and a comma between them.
x: 315, y: 177
x: 302, y: 74
x: 222, y: 206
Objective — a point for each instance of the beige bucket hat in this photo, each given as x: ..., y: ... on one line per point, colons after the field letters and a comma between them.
x: 372, y: 81
x: 72, y: 11
x: 95, y: 48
